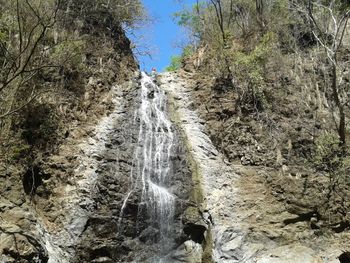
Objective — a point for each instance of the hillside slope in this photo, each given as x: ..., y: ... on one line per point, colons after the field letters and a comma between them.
x: 43, y: 198
x: 258, y: 212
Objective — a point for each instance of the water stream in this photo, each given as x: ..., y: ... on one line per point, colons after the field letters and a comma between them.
x: 151, y: 171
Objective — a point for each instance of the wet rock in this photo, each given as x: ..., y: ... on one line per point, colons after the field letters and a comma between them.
x: 130, y: 234
x: 149, y: 234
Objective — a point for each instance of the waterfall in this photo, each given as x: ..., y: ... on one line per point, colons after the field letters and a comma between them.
x: 151, y: 169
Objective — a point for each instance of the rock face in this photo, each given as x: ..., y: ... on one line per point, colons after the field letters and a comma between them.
x: 243, y: 220
x: 84, y: 221
x: 118, y: 229
x: 51, y: 231
x: 47, y: 190
x: 83, y: 209
x: 289, y: 254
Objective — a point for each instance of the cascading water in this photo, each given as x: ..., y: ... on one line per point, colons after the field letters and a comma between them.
x: 151, y: 165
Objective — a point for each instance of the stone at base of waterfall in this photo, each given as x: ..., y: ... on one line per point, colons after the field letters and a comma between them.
x: 102, y: 260
x: 290, y: 254
x: 189, y: 252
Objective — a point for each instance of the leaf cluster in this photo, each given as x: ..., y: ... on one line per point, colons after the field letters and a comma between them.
x: 176, y: 61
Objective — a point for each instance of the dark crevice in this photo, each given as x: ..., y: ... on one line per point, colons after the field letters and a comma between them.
x: 341, y: 227
x: 101, y: 252
x: 195, y: 232
x: 344, y: 257
x: 32, y: 179
x: 300, y: 218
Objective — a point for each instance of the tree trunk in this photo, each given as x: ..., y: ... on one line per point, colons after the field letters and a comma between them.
x: 259, y: 5
x: 341, y: 126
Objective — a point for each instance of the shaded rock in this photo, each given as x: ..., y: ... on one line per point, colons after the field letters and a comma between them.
x: 344, y: 257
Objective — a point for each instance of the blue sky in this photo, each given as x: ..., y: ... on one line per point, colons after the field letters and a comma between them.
x: 162, y: 36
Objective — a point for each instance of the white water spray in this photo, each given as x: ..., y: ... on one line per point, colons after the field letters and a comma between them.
x: 151, y: 164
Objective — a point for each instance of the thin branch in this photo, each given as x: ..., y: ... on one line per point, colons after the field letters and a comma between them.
x: 346, y: 17
x: 30, y: 100
x: 19, y: 26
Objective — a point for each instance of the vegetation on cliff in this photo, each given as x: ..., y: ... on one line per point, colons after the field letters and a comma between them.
x: 272, y: 82
x: 48, y: 52
x: 61, y: 63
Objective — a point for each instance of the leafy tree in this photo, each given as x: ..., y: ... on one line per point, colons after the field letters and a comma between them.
x: 175, y: 63
x: 193, y: 18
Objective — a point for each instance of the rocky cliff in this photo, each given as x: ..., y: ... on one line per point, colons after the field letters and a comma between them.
x: 47, y: 178
x: 165, y: 169
x: 255, y: 213
x: 225, y: 211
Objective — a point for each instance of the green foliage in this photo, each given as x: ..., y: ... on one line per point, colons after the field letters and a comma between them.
x: 19, y: 151
x: 253, y: 62
x: 329, y: 157
x: 249, y: 66
x: 260, y: 53
x: 175, y: 63
x: 279, y: 15
x: 184, y: 17
x: 190, y: 18
x: 69, y: 53
x: 327, y: 153
x: 47, y: 49
x: 187, y: 51
x: 3, y: 36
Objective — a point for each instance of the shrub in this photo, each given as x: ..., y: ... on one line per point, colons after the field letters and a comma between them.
x: 327, y: 152
x: 249, y: 66
x: 176, y: 61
